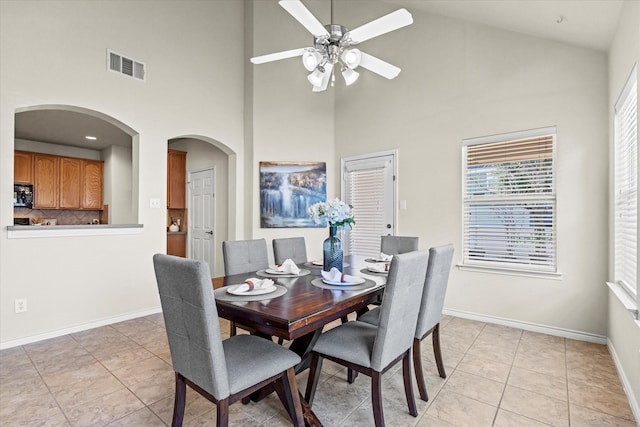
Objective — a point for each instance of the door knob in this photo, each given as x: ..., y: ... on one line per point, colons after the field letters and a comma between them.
x: 209, y: 232
x: 388, y: 225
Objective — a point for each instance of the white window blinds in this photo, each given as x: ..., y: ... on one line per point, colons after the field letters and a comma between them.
x: 626, y: 186
x: 364, y: 185
x: 509, y: 201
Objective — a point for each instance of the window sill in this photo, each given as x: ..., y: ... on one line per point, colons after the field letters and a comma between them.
x: 510, y: 272
x: 32, y: 231
x: 627, y: 300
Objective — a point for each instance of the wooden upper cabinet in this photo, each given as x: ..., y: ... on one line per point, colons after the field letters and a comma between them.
x: 67, y: 182
x: 176, y: 179
x: 70, y: 172
x: 46, y: 170
x: 22, y: 167
x: 92, y: 184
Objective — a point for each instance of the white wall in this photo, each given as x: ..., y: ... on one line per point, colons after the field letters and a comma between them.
x: 194, y: 86
x: 623, y: 332
x: 462, y: 80
x: 289, y: 122
x: 118, y: 189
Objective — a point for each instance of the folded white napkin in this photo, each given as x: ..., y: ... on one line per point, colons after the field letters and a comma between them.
x: 288, y: 267
x: 336, y: 276
x: 385, y: 257
x: 253, y: 283
x: 379, y: 267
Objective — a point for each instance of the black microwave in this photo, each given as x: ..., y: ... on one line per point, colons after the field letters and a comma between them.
x: 23, y: 195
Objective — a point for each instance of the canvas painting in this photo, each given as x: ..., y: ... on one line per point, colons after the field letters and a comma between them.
x: 287, y: 189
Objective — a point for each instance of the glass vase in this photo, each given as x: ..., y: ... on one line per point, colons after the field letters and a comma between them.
x: 332, y: 251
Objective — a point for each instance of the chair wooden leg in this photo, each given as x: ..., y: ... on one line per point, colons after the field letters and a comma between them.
x: 376, y: 398
x: 232, y: 329
x: 314, y: 376
x: 417, y: 366
x: 437, y: 351
x: 344, y: 319
x: 222, y: 416
x: 408, y: 387
x: 351, y: 375
x: 179, y: 401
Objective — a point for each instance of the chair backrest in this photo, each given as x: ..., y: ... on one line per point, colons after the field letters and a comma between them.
x: 435, y: 288
x: 293, y: 248
x: 395, y: 245
x: 244, y: 256
x: 399, y: 309
x: 191, y: 321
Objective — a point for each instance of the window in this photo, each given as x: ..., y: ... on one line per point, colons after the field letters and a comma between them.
x: 626, y: 187
x: 510, y: 201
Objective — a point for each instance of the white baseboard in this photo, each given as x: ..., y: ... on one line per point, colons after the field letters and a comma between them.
x: 78, y: 328
x: 527, y: 326
x: 635, y: 406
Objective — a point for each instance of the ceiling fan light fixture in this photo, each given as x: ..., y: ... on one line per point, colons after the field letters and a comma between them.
x: 350, y: 76
x: 351, y: 58
x: 316, y: 77
x: 311, y: 59
x: 326, y: 76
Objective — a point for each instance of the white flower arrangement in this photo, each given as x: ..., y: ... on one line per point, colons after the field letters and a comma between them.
x: 336, y: 212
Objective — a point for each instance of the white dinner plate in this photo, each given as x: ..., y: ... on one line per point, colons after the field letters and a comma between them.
x: 377, y: 260
x: 233, y: 290
x: 317, y: 263
x: 271, y: 271
x: 358, y: 280
x: 373, y: 270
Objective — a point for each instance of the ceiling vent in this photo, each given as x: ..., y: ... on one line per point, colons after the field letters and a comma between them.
x: 122, y: 64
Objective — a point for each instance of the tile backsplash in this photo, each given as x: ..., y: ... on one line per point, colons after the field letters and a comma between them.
x: 62, y: 217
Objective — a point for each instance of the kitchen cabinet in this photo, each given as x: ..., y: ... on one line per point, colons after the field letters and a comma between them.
x: 92, y: 184
x: 67, y: 182
x: 176, y: 179
x: 23, y: 167
x: 70, y: 172
x: 177, y: 201
x: 46, y: 171
x: 177, y: 244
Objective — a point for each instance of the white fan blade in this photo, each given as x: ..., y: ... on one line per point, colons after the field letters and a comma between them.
x: 379, y: 66
x: 398, y: 19
x: 306, y: 18
x: 278, y: 55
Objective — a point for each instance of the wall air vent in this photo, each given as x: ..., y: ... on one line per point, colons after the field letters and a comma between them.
x: 123, y: 65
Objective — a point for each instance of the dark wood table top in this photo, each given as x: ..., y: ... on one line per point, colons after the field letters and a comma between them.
x: 304, y: 308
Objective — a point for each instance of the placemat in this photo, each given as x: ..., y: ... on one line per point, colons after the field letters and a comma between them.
x: 374, y: 273
x: 263, y: 273
x: 221, y: 294
x: 366, y: 285
x: 375, y: 260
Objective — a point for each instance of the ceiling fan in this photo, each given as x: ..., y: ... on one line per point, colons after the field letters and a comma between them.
x: 333, y: 46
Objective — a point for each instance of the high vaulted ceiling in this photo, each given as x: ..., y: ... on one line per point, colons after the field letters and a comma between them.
x: 587, y: 23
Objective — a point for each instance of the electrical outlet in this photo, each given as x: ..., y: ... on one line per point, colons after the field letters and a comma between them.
x: 155, y: 203
x: 21, y: 305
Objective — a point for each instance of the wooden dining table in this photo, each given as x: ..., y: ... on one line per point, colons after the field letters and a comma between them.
x: 303, y: 310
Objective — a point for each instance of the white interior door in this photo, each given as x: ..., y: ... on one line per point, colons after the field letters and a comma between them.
x: 368, y: 185
x: 202, y: 217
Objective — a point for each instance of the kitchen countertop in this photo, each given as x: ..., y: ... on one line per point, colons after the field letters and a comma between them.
x: 30, y: 231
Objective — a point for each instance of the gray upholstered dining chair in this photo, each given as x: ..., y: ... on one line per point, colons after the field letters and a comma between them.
x: 373, y: 349
x: 394, y: 245
x: 221, y: 371
x: 244, y: 256
x: 293, y: 248
x: 435, y: 288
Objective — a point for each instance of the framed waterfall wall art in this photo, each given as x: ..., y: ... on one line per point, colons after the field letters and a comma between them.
x: 287, y: 189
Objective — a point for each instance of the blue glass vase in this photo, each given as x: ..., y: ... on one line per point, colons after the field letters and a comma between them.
x: 332, y: 250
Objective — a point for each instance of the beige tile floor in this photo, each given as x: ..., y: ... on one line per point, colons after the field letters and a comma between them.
x: 120, y: 375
